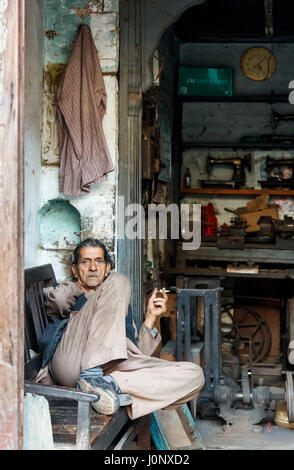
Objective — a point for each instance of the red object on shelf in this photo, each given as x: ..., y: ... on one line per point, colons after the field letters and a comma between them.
x: 208, y: 221
x: 269, y: 427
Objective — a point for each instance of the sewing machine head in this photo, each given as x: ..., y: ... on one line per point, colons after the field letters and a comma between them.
x: 280, y: 173
x: 238, y: 164
x: 279, y: 170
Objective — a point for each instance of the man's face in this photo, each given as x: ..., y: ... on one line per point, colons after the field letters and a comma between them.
x: 91, y: 269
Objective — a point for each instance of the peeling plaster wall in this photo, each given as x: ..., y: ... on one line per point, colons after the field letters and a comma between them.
x: 96, y: 209
x: 11, y: 188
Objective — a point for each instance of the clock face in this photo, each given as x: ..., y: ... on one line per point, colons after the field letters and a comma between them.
x: 258, y: 63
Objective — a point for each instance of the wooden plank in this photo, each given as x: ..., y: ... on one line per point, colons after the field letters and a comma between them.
x: 64, y: 416
x: 267, y: 274
x: 103, y: 429
x: 144, y: 435
x: 102, y: 440
x: 11, y: 223
x: 141, y: 428
x: 129, y: 435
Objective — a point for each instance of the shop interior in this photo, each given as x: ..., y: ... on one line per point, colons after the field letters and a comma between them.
x: 218, y: 131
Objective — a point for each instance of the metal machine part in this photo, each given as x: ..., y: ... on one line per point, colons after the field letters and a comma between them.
x: 285, y: 226
x: 280, y: 173
x: 290, y: 396
x: 233, y: 236
x: 285, y: 233
x: 290, y: 329
x: 266, y: 227
x: 250, y: 336
x: 244, y: 408
x: 238, y: 402
x: 211, y: 330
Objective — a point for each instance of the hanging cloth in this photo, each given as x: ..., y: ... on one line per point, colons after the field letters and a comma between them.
x: 81, y: 104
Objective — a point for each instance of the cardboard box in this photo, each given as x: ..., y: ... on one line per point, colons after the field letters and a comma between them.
x: 253, y: 217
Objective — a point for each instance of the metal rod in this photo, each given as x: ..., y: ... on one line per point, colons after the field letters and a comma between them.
x: 207, y: 345
x: 60, y: 392
x: 179, y: 328
x: 216, y: 345
x: 187, y: 329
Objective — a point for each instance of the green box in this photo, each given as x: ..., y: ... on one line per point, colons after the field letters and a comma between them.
x: 202, y: 81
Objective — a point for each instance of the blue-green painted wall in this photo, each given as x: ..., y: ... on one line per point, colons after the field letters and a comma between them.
x: 61, y: 18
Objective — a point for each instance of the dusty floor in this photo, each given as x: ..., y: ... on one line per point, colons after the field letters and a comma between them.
x: 271, y: 438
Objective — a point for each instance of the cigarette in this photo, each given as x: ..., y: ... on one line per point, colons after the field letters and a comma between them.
x: 166, y: 291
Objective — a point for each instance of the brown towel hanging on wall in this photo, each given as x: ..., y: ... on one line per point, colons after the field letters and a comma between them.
x: 81, y: 104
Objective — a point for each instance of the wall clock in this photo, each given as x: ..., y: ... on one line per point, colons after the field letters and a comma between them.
x: 258, y: 63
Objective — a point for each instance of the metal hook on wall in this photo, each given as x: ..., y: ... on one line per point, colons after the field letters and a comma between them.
x: 82, y: 12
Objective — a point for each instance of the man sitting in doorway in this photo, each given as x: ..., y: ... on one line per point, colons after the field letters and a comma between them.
x: 100, y: 350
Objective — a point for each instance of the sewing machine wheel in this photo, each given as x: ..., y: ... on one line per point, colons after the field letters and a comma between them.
x: 249, y: 336
x: 290, y: 396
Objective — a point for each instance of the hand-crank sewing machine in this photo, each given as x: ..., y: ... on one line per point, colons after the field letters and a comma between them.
x: 237, y: 163
x: 280, y: 173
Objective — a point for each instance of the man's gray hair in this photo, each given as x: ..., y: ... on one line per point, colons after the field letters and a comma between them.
x: 92, y: 242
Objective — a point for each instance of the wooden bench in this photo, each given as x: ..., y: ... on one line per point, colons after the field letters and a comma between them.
x: 74, y: 423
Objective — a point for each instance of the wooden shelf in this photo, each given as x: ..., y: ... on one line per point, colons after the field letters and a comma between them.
x: 241, y: 145
x: 238, y: 192
x: 268, y: 274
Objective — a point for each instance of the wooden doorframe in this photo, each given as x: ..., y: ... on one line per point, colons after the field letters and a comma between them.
x: 11, y: 223
x: 130, y: 125
x: 142, y: 23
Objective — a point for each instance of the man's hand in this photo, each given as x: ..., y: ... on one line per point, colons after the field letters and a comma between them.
x: 156, y: 306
